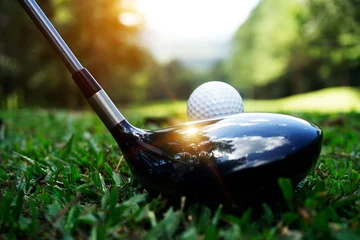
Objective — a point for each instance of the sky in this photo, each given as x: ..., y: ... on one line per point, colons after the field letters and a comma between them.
x: 191, y: 28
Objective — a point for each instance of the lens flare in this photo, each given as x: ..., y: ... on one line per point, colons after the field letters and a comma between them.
x: 192, y: 131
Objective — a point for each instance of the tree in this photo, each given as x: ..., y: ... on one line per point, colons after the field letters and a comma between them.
x: 333, y: 30
x: 296, y: 46
x: 30, y: 68
x: 262, y: 45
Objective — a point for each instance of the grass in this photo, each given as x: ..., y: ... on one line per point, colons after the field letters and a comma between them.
x: 330, y: 100
x: 62, y: 176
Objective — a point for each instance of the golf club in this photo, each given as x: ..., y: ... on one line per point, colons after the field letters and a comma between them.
x: 212, y: 161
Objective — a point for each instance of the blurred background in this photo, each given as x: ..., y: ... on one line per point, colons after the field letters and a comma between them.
x: 160, y: 50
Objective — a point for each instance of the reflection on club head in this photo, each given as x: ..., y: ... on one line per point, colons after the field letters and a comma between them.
x: 221, y: 160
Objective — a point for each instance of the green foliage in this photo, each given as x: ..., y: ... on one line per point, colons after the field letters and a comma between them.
x: 285, y: 47
x: 31, y: 71
x: 32, y: 75
x: 62, y: 177
x: 335, y: 42
x: 288, y: 47
x: 263, y: 44
x: 171, y: 81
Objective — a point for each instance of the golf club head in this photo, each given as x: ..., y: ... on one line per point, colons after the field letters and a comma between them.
x: 221, y: 160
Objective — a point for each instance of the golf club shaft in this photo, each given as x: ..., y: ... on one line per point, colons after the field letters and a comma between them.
x: 48, y: 30
x: 93, y: 92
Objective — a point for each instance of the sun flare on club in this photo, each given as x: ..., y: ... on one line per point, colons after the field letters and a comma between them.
x: 191, y: 131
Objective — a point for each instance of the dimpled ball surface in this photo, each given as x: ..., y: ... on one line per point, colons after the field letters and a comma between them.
x: 214, y: 99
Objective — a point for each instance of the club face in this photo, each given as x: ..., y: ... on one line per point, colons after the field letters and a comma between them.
x: 223, y: 158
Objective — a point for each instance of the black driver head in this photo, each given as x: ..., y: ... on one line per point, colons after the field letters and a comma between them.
x: 221, y: 160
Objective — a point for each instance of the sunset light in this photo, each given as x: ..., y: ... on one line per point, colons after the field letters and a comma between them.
x: 131, y: 18
x: 184, y: 29
x: 194, y: 19
x: 130, y: 15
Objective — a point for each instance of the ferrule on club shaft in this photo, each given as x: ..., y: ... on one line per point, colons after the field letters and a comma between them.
x: 106, y: 109
x: 48, y: 30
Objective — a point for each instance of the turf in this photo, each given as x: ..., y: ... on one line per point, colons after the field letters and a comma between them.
x: 62, y: 176
x: 329, y: 100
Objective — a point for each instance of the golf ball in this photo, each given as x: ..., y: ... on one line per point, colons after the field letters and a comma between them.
x: 214, y: 99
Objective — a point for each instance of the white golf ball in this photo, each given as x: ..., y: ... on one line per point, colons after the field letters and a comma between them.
x: 214, y: 99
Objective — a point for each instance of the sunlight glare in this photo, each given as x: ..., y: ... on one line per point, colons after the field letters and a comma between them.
x: 130, y: 16
x: 192, y: 131
x: 194, y: 18
x: 131, y: 19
